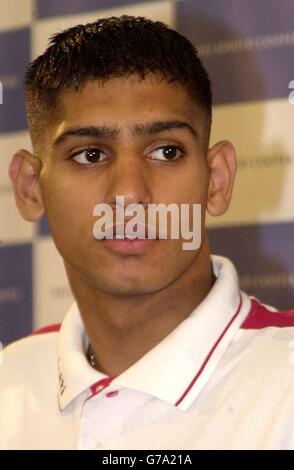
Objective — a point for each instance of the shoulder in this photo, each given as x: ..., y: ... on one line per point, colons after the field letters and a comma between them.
x: 265, y: 342
x: 263, y: 316
x: 30, y: 355
x: 28, y: 387
x: 268, y: 336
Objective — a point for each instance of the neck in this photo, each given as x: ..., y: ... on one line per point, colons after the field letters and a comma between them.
x: 122, y: 329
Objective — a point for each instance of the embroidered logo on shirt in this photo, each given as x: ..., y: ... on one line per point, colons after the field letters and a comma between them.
x: 62, y: 386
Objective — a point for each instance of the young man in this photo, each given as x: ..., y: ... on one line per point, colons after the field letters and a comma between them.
x: 160, y: 350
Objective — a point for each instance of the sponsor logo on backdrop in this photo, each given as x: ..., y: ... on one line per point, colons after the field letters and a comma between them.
x: 268, y: 41
x: 10, y: 294
x: 263, y: 161
x: 137, y: 227
x: 263, y: 255
x: 254, y: 57
x: 291, y: 94
x: 268, y: 280
x: 60, y: 292
x: 5, y: 188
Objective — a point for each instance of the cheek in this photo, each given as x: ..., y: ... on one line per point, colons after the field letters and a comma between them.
x: 188, y: 186
x: 69, y: 208
x: 197, y: 182
x: 192, y: 188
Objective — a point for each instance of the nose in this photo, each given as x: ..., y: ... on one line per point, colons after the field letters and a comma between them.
x: 129, y: 177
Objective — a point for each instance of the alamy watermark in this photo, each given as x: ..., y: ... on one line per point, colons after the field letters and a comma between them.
x: 111, y: 226
x: 291, y: 94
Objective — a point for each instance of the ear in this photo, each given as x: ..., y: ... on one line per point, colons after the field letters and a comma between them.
x: 222, y: 164
x: 24, y: 171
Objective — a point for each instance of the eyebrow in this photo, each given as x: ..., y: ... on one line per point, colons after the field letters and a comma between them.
x: 142, y: 129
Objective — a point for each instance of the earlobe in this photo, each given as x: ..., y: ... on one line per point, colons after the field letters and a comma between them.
x: 24, y: 171
x: 222, y: 166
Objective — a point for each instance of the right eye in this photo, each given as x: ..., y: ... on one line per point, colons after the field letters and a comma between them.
x: 89, y: 156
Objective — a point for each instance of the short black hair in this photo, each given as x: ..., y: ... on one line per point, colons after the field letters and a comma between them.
x: 115, y: 46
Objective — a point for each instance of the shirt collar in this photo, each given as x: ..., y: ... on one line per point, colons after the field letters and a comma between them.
x: 177, y: 368
x: 75, y: 374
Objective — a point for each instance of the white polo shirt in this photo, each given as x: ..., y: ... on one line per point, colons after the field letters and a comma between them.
x: 223, y: 379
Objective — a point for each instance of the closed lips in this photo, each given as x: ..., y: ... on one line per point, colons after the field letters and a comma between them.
x: 134, y: 232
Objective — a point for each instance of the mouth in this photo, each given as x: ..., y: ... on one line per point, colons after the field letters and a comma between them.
x: 123, y: 232
x: 123, y: 241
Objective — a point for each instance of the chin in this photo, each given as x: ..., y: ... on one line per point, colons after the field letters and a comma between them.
x: 130, y: 288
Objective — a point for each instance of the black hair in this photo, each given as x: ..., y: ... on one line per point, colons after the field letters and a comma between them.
x: 112, y: 47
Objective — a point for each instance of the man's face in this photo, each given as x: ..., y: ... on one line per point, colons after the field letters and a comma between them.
x: 124, y: 163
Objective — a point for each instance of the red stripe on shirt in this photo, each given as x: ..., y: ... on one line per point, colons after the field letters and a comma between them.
x: 209, y: 355
x: 260, y: 317
x: 47, y: 329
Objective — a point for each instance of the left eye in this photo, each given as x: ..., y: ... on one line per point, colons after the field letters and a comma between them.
x: 167, y: 152
x: 89, y: 156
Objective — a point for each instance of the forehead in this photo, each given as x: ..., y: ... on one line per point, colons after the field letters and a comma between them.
x: 124, y: 101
